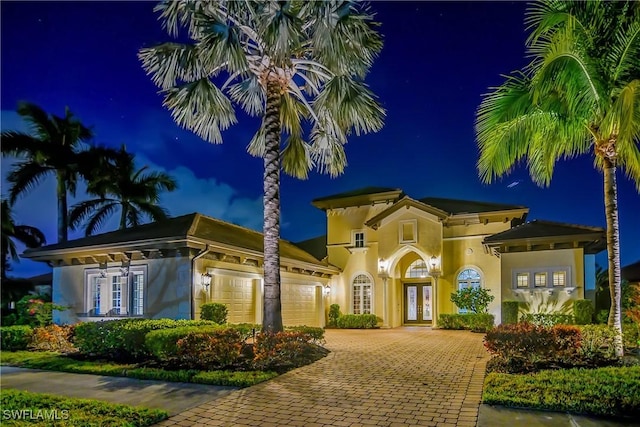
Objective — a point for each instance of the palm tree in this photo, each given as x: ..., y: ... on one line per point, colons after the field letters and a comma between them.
x: 299, y: 65
x: 580, y: 94
x: 52, y: 147
x: 29, y: 236
x: 120, y: 186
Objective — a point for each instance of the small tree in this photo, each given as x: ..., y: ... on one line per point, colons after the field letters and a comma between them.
x: 475, y: 300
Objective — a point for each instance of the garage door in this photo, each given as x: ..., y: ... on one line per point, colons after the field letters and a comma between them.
x: 239, y: 297
x: 299, y: 304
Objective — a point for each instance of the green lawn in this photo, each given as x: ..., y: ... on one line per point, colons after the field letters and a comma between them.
x: 55, y: 362
x: 611, y: 391
x: 22, y: 408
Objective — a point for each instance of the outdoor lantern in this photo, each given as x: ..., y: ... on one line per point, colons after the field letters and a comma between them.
x: 206, y: 280
x: 382, y: 266
x: 326, y: 290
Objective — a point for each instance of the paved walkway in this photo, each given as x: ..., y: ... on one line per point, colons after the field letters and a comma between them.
x: 390, y: 377
x: 172, y: 397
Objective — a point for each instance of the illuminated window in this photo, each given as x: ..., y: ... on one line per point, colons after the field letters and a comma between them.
x: 522, y: 280
x: 115, y: 294
x: 417, y: 270
x: 362, y: 294
x: 137, y: 295
x: 540, y: 280
x: 469, y: 278
x: 559, y: 278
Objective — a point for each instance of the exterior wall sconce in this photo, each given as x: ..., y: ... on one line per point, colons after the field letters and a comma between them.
x: 326, y: 290
x: 205, y: 279
x: 382, y: 268
x: 434, y: 267
x: 550, y: 291
x: 569, y: 291
x: 124, y: 270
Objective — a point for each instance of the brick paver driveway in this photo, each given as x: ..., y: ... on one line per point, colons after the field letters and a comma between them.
x: 390, y: 377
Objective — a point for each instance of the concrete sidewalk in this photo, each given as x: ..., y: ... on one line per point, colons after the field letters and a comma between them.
x: 172, y: 397
x: 492, y: 416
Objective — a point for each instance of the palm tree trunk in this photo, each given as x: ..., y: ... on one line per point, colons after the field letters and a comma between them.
x: 62, y: 208
x: 272, y: 313
x: 613, y: 250
x: 123, y: 217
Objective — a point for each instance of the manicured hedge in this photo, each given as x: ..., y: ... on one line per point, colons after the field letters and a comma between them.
x: 214, y: 311
x: 603, y: 391
x: 357, y: 321
x: 476, y: 322
x: 163, y: 343
x: 282, y: 351
x: 123, y: 340
x: 14, y: 338
x: 316, y: 334
x: 76, y: 412
x: 510, y: 312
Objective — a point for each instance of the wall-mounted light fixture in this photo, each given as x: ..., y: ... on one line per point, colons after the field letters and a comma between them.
x: 205, y: 279
x: 382, y: 268
x: 124, y: 269
x: 326, y: 290
x: 434, y: 267
x: 103, y: 269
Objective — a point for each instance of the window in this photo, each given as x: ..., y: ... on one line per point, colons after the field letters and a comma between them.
x: 540, y: 280
x: 522, y: 280
x: 468, y: 278
x: 137, y: 297
x: 407, y: 232
x: 417, y: 269
x: 362, y: 294
x: 559, y: 278
x: 358, y: 239
x: 115, y: 294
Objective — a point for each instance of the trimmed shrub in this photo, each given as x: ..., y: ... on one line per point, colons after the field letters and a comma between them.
x: 510, y: 312
x: 315, y: 334
x: 123, y: 340
x: 282, y: 351
x: 583, y: 311
x: 163, y: 343
x: 207, y: 350
x: 35, y: 310
x: 547, y: 319
x: 597, y: 346
x: 476, y: 322
x: 334, y: 315
x: 527, y: 347
x: 15, y: 337
x: 215, y: 312
x: 358, y: 321
x: 53, y: 338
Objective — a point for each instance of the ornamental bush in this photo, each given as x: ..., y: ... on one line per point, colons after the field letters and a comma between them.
x: 548, y: 319
x: 282, y: 351
x: 583, y: 311
x: 510, y: 312
x: 358, y: 321
x: 15, y: 338
x: 123, y: 339
x: 36, y: 310
x: 163, y: 343
x: 315, y: 334
x: 473, y: 299
x: 53, y: 338
x: 215, y: 312
x: 211, y: 349
x: 334, y: 315
x: 597, y: 346
x: 526, y: 347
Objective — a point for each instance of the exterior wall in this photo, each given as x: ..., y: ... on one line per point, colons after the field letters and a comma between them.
x: 545, y: 300
x: 166, y: 289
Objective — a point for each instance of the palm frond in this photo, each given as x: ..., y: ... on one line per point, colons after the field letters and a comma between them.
x: 99, y: 217
x: 25, y: 176
x: 80, y: 212
x: 250, y: 95
x: 170, y: 63
x: 32, y: 237
x: 201, y: 107
x: 19, y: 144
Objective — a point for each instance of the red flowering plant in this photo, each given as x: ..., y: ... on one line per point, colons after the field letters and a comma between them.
x: 36, y: 310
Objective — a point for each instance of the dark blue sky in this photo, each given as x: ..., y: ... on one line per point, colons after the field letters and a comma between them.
x: 438, y: 58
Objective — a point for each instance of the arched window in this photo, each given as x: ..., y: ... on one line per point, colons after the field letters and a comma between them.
x: 468, y: 278
x: 362, y: 294
x: 418, y: 269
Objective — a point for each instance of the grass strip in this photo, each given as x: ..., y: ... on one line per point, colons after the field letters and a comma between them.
x: 22, y: 408
x: 610, y: 391
x: 51, y: 361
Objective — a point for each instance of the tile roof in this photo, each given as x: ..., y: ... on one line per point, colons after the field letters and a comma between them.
x: 193, y: 225
x: 631, y: 272
x: 456, y: 206
x: 316, y: 246
x: 540, y: 228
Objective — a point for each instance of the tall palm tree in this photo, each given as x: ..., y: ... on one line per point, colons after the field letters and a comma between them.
x: 28, y: 235
x: 120, y: 186
x: 580, y: 94
x: 54, y: 146
x: 299, y: 65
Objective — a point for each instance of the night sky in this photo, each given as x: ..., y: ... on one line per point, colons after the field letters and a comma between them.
x: 438, y: 58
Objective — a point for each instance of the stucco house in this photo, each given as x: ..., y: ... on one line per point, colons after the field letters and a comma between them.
x: 384, y: 253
